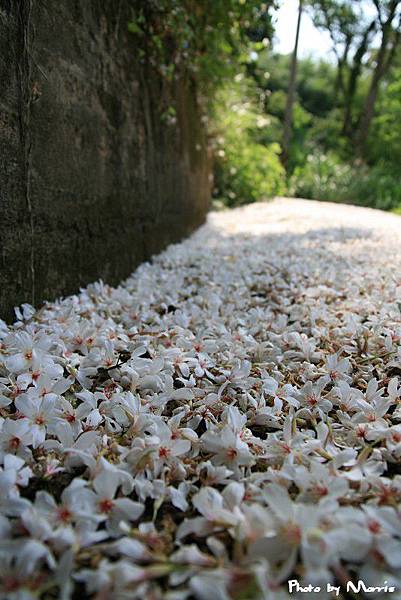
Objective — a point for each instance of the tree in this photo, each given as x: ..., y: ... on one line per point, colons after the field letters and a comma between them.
x: 287, y: 127
x: 354, y: 34
x: 389, y: 21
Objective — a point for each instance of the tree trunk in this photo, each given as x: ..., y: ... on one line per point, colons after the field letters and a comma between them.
x: 291, y: 95
x: 384, y: 60
x: 368, y: 112
x: 353, y: 80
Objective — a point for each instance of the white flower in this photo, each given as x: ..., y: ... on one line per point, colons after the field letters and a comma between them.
x: 28, y: 352
x: 19, y: 568
x: 293, y: 526
x: 227, y: 448
x: 72, y: 502
x: 169, y: 446
x: 15, y: 437
x: 213, y: 584
x: 40, y: 413
x: 320, y: 482
x: 337, y: 369
x: 216, y: 513
x: 13, y: 475
x: 103, y: 504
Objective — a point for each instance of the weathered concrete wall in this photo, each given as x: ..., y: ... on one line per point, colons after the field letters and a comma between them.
x: 93, y: 180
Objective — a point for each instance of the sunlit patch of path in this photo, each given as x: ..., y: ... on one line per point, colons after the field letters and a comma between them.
x: 285, y: 215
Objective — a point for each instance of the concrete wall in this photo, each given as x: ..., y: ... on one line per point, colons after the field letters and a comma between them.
x: 93, y: 179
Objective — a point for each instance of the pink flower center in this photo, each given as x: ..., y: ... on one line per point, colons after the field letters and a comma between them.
x: 232, y: 453
x: 64, y: 514
x: 360, y: 431
x: 14, y: 443
x: 321, y: 490
x: 11, y: 584
x: 164, y: 452
x: 374, y: 526
x: 106, y: 505
x: 293, y: 534
x: 311, y: 400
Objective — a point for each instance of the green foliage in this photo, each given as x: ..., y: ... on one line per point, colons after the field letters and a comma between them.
x: 385, y: 137
x: 319, y: 177
x: 208, y: 38
x: 245, y: 169
x: 325, y: 177
x: 316, y: 80
x: 317, y: 86
x: 223, y: 45
x: 322, y: 164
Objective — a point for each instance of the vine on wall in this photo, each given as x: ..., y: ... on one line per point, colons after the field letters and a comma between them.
x: 205, y: 37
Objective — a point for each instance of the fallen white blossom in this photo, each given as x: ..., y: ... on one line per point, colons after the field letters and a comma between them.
x: 227, y: 419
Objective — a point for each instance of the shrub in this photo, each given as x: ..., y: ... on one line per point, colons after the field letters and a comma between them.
x: 321, y: 177
x: 244, y: 169
x: 325, y: 177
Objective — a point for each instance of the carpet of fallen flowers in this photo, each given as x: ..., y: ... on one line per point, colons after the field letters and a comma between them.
x: 227, y: 419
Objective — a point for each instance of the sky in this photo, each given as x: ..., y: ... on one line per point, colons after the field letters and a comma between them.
x: 312, y: 42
